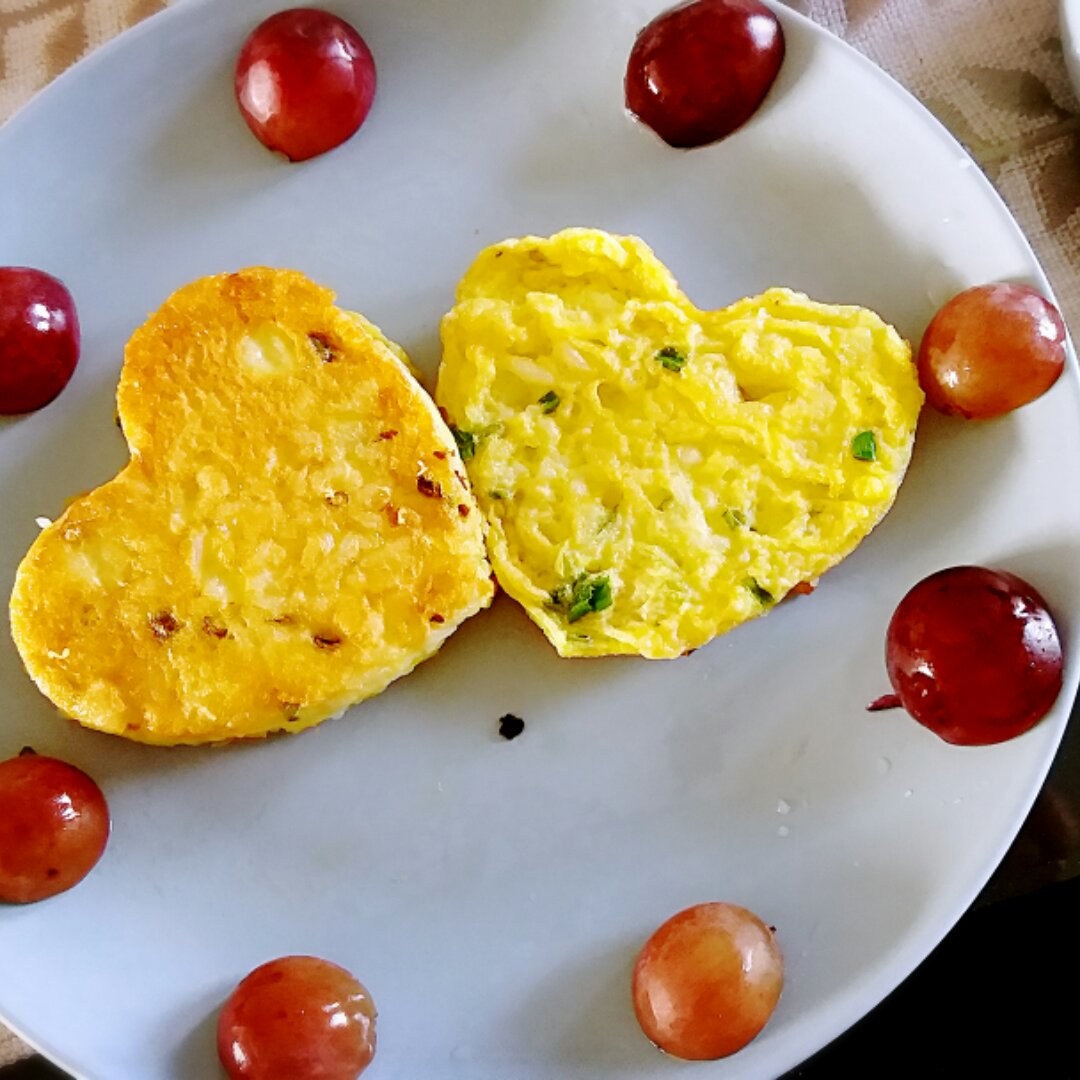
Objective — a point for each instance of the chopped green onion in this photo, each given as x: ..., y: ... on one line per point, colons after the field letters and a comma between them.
x: 601, y: 596
x: 760, y: 593
x: 579, y: 609
x: 497, y: 493
x: 589, y: 594
x: 466, y: 443
x: 671, y: 358
x: 733, y: 519
x: 549, y: 402
x: 864, y: 446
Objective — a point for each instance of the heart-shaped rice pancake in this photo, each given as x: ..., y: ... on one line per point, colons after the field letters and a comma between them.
x: 294, y: 529
x: 651, y: 474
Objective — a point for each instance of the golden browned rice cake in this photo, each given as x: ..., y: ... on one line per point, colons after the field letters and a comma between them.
x: 294, y: 529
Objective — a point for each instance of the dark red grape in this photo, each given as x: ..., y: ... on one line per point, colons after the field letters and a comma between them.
x: 297, y: 1016
x: 707, y: 981
x: 54, y: 824
x: 305, y: 81
x: 39, y: 338
x: 991, y: 349
x: 974, y: 655
x: 701, y: 70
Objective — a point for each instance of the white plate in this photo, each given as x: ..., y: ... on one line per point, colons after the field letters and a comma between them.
x: 493, y: 894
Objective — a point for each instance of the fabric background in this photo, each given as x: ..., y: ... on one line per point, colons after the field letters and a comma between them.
x: 991, y: 70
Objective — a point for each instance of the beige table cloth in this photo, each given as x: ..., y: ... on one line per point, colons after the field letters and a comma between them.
x: 991, y: 70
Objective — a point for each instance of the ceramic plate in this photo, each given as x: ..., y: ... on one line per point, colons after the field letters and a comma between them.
x: 493, y: 894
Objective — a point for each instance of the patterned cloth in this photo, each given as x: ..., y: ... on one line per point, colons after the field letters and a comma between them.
x: 991, y: 70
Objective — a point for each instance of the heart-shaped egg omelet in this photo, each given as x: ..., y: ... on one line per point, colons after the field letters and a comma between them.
x: 294, y: 529
x: 650, y: 474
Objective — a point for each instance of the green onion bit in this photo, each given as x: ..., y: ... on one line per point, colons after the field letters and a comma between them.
x: 671, y: 358
x: 864, y: 446
x: 588, y: 594
x: 466, y: 443
x: 760, y: 593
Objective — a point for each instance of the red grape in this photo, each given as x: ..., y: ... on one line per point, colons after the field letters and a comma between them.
x: 305, y: 81
x: 297, y: 1016
x: 700, y: 70
x: 991, y: 349
x: 973, y: 654
x: 39, y: 338
x: 707, y: 981
x: 54, y: 824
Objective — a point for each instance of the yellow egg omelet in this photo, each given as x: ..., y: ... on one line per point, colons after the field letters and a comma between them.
x: 651, y: 474
x: 293, y: 531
